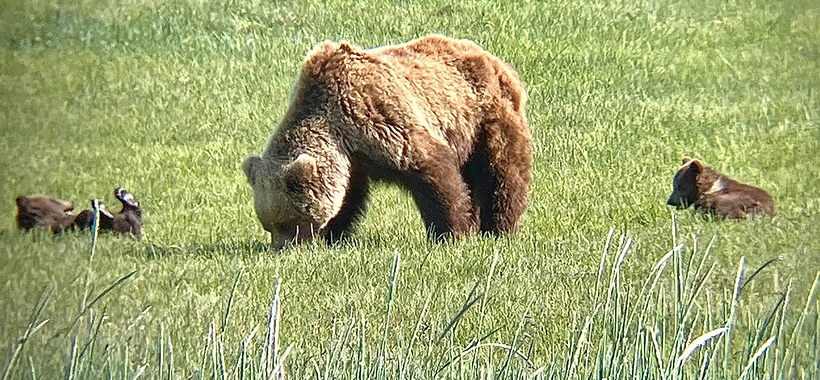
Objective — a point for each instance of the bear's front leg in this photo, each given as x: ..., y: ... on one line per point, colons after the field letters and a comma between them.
x: 353, y: 207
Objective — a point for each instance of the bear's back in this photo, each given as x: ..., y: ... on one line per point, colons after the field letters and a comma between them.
x: 480, y: 72
x: 443, y: 88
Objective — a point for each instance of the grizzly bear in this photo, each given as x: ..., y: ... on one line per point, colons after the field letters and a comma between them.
x: 441, y: 117
x: 42, y: 211
x: 128, y: 220
x: 716, y: 194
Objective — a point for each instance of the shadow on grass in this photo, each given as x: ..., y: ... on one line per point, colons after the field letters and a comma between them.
x: 209, y: 249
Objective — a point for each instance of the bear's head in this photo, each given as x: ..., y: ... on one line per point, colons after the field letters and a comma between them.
x: 129, y: 202
x: 295, y: 200
x: 685, y: 184
x: 129, y: 219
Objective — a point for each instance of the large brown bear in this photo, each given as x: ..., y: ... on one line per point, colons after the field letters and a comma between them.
x: 710, y: 192
x: 441, y: 117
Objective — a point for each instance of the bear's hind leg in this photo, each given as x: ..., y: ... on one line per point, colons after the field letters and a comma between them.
x: 482, y: 183
x: 508, y: 147
x: 443, y: 200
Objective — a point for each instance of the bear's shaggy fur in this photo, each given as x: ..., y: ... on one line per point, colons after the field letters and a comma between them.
x: 42, y: 211
x: 128, y: 220
x: 441, y: 117
x: 714, y: 193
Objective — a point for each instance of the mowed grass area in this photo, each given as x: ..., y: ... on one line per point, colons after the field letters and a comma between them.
x: 166, y: 98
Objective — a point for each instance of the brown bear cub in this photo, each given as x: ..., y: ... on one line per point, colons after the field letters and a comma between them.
x: 441, y: 117
x: 42, y: 211
x: 128, y: 220
x: 710, y: 192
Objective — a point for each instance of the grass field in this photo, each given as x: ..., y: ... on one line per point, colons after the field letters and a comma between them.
x: 166, y: 97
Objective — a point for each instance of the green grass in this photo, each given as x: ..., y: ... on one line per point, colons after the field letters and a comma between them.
x: 166, y: 98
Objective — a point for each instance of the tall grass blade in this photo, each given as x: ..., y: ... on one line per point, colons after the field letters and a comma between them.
x: 416, y: 330
x: 72, y: 360
x: 483, y: 307
x: 467, y: 305
x: 221, y: 357
x: 730, y: 324
x: 760, y: 351
x: 31, y: 329
x: 95, y: 208
x: 654, y: 276
x: 109, y: 288
x: 781, y: 349
x: 32, y: 371
x: 361, y: 361
x: 580, y: 343
x: 674, y: 230
x: 601, y: 265
x: 704, y: 368
x: 230, y: 301
x: 656, y: 350
x: 699, y: 341
x: 767, y: 321
x: 758, y: 270
x: 614, y: 280
x: 139, y: 372
x: 335, y: 356
x: 214, y: 344
x: 91, y: 340
x: 204, y: 355
x: 160, y: 350
x: 391, y: 292
x: 516, y: 337
x: 509, y: 349
x: 798, y: 328
x: 271, y: 363
x: 243, y: 353
x: 170, y: 360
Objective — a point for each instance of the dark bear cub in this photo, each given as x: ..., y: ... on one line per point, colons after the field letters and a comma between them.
x: 128, y: 220
x: 42, y: 211
x: 698, y: 185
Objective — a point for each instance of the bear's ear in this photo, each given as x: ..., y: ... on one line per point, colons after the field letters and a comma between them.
x: 694, y: 165
x: 686, y: 159
x: 251, y: 166
x: 304, y: 166
x: 22, y: 201
x: 351, y: 50
x: 299, y: 172
x: 345, y: 47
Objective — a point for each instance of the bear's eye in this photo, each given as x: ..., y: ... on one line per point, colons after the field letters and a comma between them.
x: 293, y: 185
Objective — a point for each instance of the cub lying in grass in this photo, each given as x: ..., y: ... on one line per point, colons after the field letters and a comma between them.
x: 42, y: 211
x: 710, y: 192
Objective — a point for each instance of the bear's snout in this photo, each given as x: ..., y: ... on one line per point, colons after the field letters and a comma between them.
x: 678, y: 201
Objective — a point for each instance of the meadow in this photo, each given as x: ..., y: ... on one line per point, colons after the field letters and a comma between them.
x: 166, y: 97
